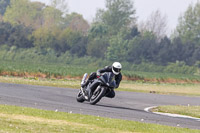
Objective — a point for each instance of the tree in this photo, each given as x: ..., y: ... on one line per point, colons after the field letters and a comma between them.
x: 188, y: 28
x: 73, y: 41
x: 52, y: 17
x: 156, y: 23
x: 142, y: 48
x: 1, y: 18
x: 176, y: 50
x: 43, y: 38
x: 98, y: 30
x: 105, y: 33
x: 5, y: 31
x: 76, y: 22
x: 20, y: 37
x: 118, y: 48
x: 3, y: 5
x: 118, y: 14
x: 60, y: 5
x: 37, y: 14
x: 63, y: 40
x: 97, y: 47
x: 79, y: 48
x: 164, y: 51
x: 187, y: 53
x: 98, y: 40
x: 196, y: 55
x: 24, y: 12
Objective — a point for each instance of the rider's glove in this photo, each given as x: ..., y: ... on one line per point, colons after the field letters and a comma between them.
x: 98, y: 74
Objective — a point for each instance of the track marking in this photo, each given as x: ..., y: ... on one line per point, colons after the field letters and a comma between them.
x: 171, y: 115
x: 148, y: 108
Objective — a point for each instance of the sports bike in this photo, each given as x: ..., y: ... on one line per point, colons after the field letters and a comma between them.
x: 97, y: 88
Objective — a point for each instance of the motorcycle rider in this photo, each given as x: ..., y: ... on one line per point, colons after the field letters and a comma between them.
x: 115, y: 68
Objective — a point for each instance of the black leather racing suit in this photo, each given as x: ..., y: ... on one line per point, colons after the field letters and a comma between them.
x: 118, y: 78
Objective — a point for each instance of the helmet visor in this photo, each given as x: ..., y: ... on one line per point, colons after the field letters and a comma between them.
x: 116, y: 69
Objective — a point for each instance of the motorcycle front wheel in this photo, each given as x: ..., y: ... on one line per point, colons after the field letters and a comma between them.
x: 97, y: 95
x: 80, y: 97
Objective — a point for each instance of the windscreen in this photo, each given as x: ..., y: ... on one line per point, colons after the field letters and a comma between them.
x: 109, y: 79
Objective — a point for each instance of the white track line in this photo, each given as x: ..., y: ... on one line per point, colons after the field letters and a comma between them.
x: 171, y: 115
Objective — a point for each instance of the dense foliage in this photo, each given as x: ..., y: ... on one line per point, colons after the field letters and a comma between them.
x: 3, y: 6
x: 114, y: 34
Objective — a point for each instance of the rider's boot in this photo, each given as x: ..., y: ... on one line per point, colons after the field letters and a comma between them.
x: 84, y: 87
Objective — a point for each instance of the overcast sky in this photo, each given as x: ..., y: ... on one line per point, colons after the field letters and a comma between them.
x: 171, y: 8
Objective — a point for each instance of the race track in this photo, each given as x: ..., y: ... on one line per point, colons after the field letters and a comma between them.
x: 126, y: 105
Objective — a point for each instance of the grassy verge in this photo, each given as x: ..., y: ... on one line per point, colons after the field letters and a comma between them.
x: 193, y: 111
x: 59, y: 70
x: 21, y: 119
x: 161, y: 88
x: 177, y: 89
x: 64, y: 83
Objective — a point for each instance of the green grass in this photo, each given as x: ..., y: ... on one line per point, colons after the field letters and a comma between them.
x: 61, y: 70
x: 193, y: 111
x: 161, y: 88
x: 48, y: 69
x: 21, y: 119
x: 161, y: 76
x: 64, y: 83
x: 176, y: 89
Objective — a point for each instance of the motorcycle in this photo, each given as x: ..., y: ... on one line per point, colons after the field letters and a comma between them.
x: 97, y: 88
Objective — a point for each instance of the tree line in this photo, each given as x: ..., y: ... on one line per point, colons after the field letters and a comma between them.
x: 113, y: 35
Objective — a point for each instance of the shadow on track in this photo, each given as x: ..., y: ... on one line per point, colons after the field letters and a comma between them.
x: 118, y: 107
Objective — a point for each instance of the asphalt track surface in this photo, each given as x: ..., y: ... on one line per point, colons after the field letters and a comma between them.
x: 126, y: 105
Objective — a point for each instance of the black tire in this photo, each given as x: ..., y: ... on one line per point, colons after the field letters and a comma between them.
x: 97, y: 96
x: 80, y: 97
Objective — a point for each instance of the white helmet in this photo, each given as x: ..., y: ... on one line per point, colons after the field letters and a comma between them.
x: 116, y: 68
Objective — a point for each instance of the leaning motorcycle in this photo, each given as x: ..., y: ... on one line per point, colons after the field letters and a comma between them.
x: 97, y: 88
